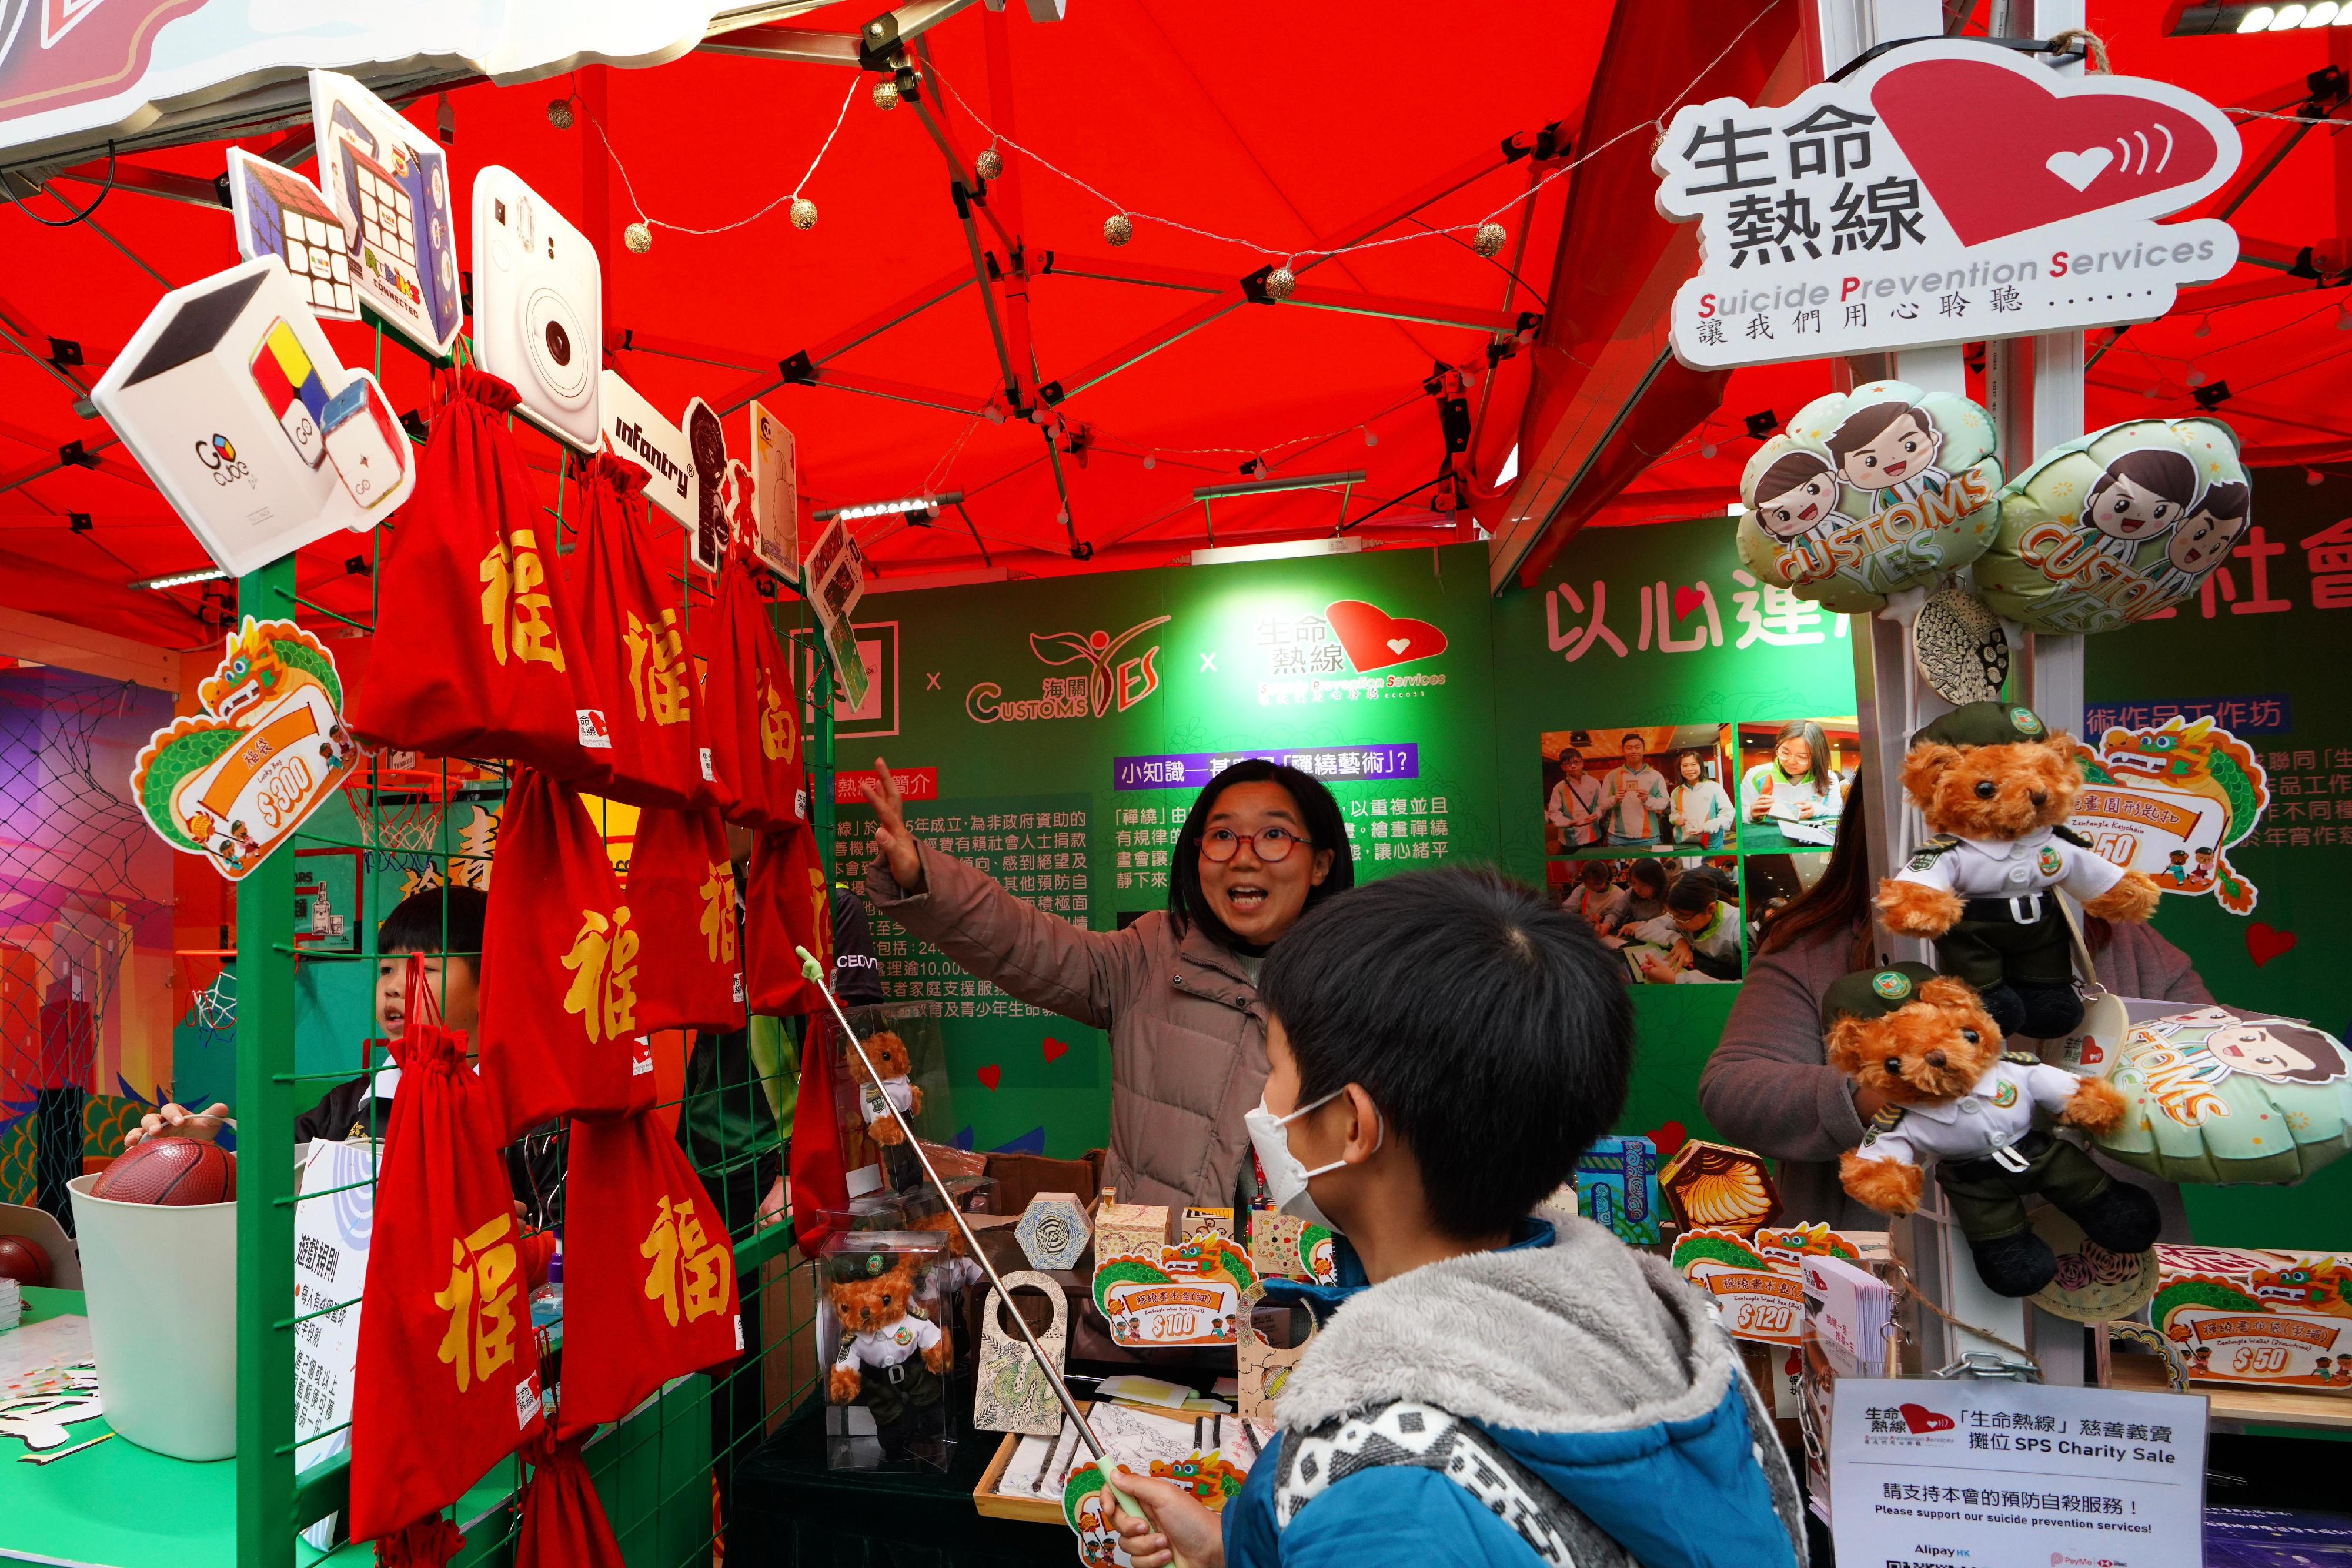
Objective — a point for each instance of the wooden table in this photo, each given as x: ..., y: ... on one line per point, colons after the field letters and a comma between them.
x: 2242, y: 1407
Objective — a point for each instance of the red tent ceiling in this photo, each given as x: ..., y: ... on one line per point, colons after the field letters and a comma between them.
x: 1279, y: 128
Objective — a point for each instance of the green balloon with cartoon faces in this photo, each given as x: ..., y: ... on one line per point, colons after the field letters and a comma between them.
x: 1870, y: 492
x: 2116, y: 526
x: 2219, y: 1096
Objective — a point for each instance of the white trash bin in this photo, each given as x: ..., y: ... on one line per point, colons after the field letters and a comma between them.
x: 159, y: 1281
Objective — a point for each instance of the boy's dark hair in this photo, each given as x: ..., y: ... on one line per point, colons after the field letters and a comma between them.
x: 1693, y: 891
x: 416, y: 924
x: 1493, y: 1031
x: 2227, y: 499
x: 1318, y: 815
x: 1597, y: 873
x: 2171, y: 474
x: 1789, y: 470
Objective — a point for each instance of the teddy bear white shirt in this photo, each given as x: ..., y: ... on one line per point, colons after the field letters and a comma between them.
x: 901, y: 1091
x: 2010, y: 868
x: 889, y: 1347
x: 1992, y: 1115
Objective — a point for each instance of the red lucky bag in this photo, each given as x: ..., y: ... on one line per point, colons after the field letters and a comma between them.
x: 563, y: 1522
x: 755, y: 731
x: 561, y: 951
x: 649, y: 1272
x: 446, y: 1382
x: 682, y: 903
x: 786, y: 907
x: 634, y: 635
x: 476, y: 653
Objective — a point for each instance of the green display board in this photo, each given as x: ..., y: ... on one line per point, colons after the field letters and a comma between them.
x: 1064, y: 728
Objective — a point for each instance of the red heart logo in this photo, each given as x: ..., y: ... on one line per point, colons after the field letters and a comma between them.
x: 1919, y: 1418
x: 1056, y: 1048
x: 1688, y: 601
x: 1375, y: 639
x: 2056, y: 157
x: 1669, y: 1138
x: 990, y: 1076
x: 2265, y: 943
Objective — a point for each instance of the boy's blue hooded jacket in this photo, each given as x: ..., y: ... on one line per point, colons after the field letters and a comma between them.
x: 1589, y: 1363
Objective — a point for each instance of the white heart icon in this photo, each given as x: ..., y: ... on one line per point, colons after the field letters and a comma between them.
x: 1399, y: 644
x: 2079, y: 169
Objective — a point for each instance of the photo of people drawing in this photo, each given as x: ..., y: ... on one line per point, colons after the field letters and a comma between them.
x: 1674, y: 923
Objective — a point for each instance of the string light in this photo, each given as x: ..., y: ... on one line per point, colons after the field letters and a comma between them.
x: 2204, y: 326
x: 1280, y: 283
x: 1152, y: 460
x: 558, y: 113
x: 1117, y: 229
x: 886, y: 94
x: 2197, y: 377
x: 639, y: 235
x: 989, y: 164
x: 1488, y: 242
x: 1370, y: 437
x: 1475, y: 227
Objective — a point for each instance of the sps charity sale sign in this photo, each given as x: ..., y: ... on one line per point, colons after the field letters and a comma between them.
x: 1946, y: 192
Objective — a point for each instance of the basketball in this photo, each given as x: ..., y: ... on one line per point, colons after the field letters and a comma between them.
x: 169, y: 1170
x: 23, y: 1262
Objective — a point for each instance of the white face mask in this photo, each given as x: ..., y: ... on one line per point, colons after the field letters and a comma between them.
x: 1285, y: 1178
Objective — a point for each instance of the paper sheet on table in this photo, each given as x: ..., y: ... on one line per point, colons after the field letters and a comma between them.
x: 31, y: 1348
x: 1041, y: 1467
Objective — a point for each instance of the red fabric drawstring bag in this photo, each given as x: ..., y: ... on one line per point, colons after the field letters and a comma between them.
x: 635, y: 636
x: 755, y: 733
x: 682, y: 903
x: 820, y: 1177
x: 786, y: 907
x: 560, y: 966
x: 446, y: 1382
x: 478, y: 653
x: 563, y: 1522
x: 649, y: 1272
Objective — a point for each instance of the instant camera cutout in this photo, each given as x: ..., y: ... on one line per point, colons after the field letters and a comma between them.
x: 635, y: 430
x: 280, y: 213
x: 232, y: 399
x: 388, y: 184
x: 539, y: 308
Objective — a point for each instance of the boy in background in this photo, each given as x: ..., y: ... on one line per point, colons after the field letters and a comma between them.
x: 1443, y: 1045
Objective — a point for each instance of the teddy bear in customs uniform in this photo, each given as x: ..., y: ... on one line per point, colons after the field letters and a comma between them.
x: 1925, y: 1043
x: 889, y: 1358
x: 1995, y: 787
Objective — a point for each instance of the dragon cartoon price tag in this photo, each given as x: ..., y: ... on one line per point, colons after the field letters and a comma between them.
x: 1186, y: 1294
x: 234, y: 782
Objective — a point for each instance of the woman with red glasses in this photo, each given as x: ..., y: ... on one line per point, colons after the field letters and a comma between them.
x: 1177, y: 989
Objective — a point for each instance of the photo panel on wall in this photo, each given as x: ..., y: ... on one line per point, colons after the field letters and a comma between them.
x: 1674, y: 920
x: 1793, y: 777
x: 1770, y: 883
x: 1656, y: 789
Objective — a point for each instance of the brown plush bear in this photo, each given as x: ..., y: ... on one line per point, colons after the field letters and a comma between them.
x: 894, y: 1085
x: 1925, y: 1044
x: 1995, y: 787
x: 889, y: 1358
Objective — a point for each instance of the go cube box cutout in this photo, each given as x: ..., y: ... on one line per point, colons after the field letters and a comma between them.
x: 233, y: 401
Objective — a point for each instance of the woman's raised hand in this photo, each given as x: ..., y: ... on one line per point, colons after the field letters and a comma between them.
x: 892, y: 841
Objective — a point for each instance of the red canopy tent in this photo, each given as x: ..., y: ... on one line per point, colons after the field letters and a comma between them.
x: 1289, y: 133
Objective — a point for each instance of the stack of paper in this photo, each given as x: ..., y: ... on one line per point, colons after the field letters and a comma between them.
x: 12, y: 1303
x: 1850, y: 1310
x: 1041, y: 1467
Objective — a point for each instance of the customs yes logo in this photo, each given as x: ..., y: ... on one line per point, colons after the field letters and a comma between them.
x: 1108, y: 682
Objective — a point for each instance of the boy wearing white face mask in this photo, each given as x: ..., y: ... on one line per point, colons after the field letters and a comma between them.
x: 1443, y: 1045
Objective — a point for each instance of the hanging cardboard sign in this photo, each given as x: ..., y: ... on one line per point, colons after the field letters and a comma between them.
x: 538, y: 306
x: 389, y: 183
x: 833, y: 578
x: 1187, y: 1292
x: 706, y: 447
x: 2172, y: 801
x: 233, y: 782
x: 635, y: 430
x: 1012, y: 1394
x: 281, y: 215
x: 1946, y: 192
x: 233, y: 401
x: 775, y: 492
